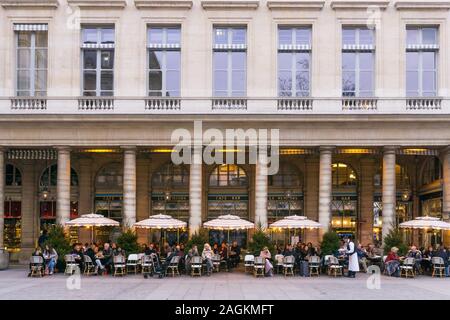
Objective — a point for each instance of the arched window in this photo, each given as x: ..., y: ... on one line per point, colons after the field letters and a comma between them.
x: 401, y: 177
x: 431, y: 170
x: 228, y: 175
x: 49, y: 177
x: 287, y: 177
x: 342, y: 175
x: 110, y: 177
x: 170, y: 175
x: 13, y: 177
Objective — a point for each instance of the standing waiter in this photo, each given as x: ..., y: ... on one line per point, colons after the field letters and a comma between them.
x: 353, y: 263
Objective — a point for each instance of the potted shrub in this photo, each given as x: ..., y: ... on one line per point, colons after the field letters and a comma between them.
x: 330, y: 243
x: 58, y: 239
x: 260, y: 240
x: 199, y: 239
x: 128, y: 242
x: 395, y: 239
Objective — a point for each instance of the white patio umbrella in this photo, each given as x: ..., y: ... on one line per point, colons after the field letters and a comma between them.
x: 425, y: 223
x: 229, y: 222
x: 92, y: 220
x: 161, y: 222
x: 295, y: 222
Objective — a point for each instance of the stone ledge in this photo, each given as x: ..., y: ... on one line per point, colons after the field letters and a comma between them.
x: 29, y: 4
x: 230, y: 4
x: 421, y: 5
x: 358, y: 4
x: 295, y: 4
x: 163, y: 4
x: 98, y: 4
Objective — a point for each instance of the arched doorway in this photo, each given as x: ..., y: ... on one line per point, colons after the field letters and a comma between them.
x: 228, y: 194
x: 170, y: 196
x: 344, y: 204
x: 47, y: 196
x: 109, y: 198
x: 430, y: 197
x: 285, y: 198
x: 13, y: 208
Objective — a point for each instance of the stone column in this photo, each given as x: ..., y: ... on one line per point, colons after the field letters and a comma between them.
x: 389, y: 192
x: 85, y: 186
x: 366, y: 200
x: 30, y: 214
x: 2, y: 196
x: 129, y: 187
x: 63, y: 186
x: 261, y: 186
x: 311, y: 199
x: 195, y: 191
x: 325, y: 188
x: 142, y: 196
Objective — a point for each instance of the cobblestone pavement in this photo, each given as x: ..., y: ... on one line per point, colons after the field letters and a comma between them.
x: 14, y: 284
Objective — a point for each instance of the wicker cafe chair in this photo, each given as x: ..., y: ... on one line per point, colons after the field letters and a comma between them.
x: 249, y: 261
x: 407, y: 267
x: 216, y: 262
x: 132, y: 262
x: 196, y: 266
x: 37, y: 266
x: 146, y: 265
x: 258, y: 267
x: 71, y: 265
x: 89, y: 267
x: 334, y: 268
x: 288, y: 266
x: 278, y: 263
x: 119, y: 265
x: 173, y: 266
x: 438, y: 266
x: 314, y: 265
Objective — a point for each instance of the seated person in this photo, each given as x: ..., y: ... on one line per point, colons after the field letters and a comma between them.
x: 207, y: 257
x: 95, y: 255
x: 234, y: 254
x: 193, y: 252
x: 106, y: 256
x: 288, y: 251
x: 362, y: 257
x: 417, y: 255
x: 425, y: 263
x: 77, y: 253
x: 223, y: 251
x: 268, y: 268
x: 392, y: 262
x: 215, y: 248
x: 50, y: 258
x: 442, y: 253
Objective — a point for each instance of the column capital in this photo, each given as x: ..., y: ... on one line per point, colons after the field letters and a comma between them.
x: 389, y: 149
x: 326, y: 149
x: 128, y: 148
x: 62, y: 148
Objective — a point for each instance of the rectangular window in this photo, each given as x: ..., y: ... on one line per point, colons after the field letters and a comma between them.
x: 421, y: 61
x: 164, y: 61
x: 230, y: 62
x: 97, y: 49
x: 31, y: 59
x: 294, y: 60
x: 358, y: 62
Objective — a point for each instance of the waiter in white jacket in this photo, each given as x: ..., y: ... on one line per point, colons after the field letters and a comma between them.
x: 353, y: 263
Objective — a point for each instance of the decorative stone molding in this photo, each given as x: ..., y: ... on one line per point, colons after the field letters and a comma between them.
x: 295, y: 4
x: 29, y: 4
x: 98, y: 4
x: 358, y: 4
x: 230, y: 4
x: 163, y: 4
x: 422, y: 5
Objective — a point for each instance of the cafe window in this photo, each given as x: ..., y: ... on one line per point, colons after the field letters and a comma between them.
x: 344, y: 215
x: 97, y: 50
x: 13, y: 177
x: 342, y: 175
x: 221, y: 204
x: 12, y: 224
x: 110, y: 177
x: 171, y: 175
x: 431, y: 170
x: 401, y: 177
x: 228, y: 175
x: 288, y: 176
x: 49, y: 177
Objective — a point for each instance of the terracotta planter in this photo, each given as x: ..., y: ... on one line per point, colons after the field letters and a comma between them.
x: 4, y: 259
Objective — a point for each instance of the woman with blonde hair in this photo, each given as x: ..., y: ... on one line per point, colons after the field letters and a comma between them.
x: 265, y: 253
x: 392, y: 262
x: 207, y: 255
